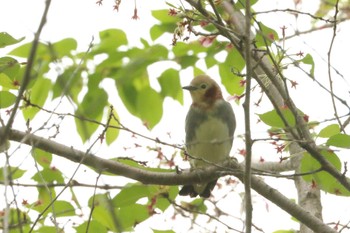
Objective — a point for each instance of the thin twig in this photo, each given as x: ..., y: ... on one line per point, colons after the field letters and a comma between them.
x: 92, y: 204
x: 295, y: 12
x: 248, y: 137
x: 120, y: 127
x: 27, y: 73
x: 329, y: 65
x: 80, y: 162
x: 25, y: 82
x: 202, y: 213
x: 303, y: 136
x: 315, y: 29
x: 72, y: 184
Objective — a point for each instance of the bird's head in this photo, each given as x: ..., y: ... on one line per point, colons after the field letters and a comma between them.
x: 204, y: 91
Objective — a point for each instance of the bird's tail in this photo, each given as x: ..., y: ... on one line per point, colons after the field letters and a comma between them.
x: 192, y: 192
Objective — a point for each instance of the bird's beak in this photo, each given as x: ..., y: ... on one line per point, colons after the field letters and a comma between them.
x: 190, y: 88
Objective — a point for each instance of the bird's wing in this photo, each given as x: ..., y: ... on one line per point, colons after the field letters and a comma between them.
x: 194, y: 118
x: 225, y: 112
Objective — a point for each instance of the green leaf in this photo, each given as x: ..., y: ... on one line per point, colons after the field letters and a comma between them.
x: 6, y: 82
x: 210, y: 61
x: 164, y: 17
x: 91, y: 108
x: 6, y: 39
x: 140, y: 59
x: 113, y: 131
x: 193, y: 48
x: 130, y: 195
x: 265, y: 36
x: 168, y: 24
x: 197, y: 205
x: 231, y: 81
x: 93, y: 103
x: 23, y: 50
x: 272, y: 118
x: 339, y: 140
x: 103, y: 211
x: 170, y: 85
x: 63, y: 209
x: 128, y: 94
x: 133, y: 77
x: 7, y: 99
x: 196, y: 71
x: 329, y: 131
x: 46, y: 229
x: 111, y: 39
x: 104, y: 216
x: 157, y: 31
x: 12, y: 172
x: 69, y: 83
x: 48, y: 175
x: 163, y: 231
x: 38, y: 96
x: 99, y: 200
x: 167, y: 193
x: 65, y: 47
x: 42, y: 157
x: 92, y: 226
x: 308, y: 60
x: 187, y: 61
x: 9, y: 66
x: 157, y: 195
x: 45, y: 196
x: 325, y: 8
x: 149, y: 105
x: 131, y: 215
x: 323, y: 179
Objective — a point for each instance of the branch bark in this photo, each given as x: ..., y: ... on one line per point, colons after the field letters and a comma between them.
x: 169, y: 178
x: 267, y: 74
x: 275, y: 90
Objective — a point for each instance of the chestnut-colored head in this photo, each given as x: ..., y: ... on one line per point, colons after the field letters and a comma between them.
x: 204, y: 91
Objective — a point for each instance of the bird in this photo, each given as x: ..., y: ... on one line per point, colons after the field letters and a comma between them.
x: 209, y: 126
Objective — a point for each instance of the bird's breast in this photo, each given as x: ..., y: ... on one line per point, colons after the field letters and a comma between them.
x: 211, y: 142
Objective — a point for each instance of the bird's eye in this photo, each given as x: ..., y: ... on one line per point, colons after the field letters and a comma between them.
x: 203, y: 85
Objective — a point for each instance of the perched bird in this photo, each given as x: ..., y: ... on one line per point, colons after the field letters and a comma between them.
x: 210, y: 124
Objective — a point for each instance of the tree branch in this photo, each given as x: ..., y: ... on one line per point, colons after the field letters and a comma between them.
x: 27, y: 73
x: 278, y: 97
x: 248, y: 137
x: 169, y: 178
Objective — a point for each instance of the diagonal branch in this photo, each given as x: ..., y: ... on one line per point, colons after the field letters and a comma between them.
x: 277, y: 96
x: 27, y: 73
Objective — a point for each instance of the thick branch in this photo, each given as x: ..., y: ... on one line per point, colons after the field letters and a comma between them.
x: 169, y: 178
x: 104, y: 165
x: 277, y: 96
x: 270, y: 80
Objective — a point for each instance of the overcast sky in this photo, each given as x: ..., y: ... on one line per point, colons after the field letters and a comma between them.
x: 82, y: 19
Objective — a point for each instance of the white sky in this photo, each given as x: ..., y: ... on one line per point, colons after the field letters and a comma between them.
x: 81, y: 19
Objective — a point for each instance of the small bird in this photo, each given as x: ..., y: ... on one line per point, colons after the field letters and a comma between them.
x: 210, y: 124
